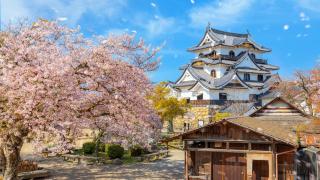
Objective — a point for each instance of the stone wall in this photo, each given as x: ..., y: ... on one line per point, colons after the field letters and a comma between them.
x: 192, y: 117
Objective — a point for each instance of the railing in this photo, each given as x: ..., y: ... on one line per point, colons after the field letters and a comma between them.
x: 216, y: 102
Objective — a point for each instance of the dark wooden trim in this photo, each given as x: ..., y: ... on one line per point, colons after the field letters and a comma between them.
x: 230, y: 141
x: 229, y: 150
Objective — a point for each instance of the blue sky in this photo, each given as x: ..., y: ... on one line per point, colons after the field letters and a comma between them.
x: 291, y: 28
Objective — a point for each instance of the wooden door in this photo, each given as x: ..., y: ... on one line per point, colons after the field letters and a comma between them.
x: 260, y: 170
x: 203, y: 164
x: 228, y: 166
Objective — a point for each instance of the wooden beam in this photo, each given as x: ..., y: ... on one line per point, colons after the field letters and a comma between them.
x: 231, y: 140
x: 228, y: 150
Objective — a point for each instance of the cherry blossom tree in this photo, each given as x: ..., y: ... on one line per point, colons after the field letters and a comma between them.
x: 54, y: 82
x: 304, y: 90
x: 116, y: 91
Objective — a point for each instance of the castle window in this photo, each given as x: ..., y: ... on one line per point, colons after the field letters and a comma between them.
x: 188, y: 100
x: 213, y: 53
x: 231, y: 54
x: 260, y: 77
x: 246, y: 76
x: 200, y: 123
x: 186, y: 126
x: 213, y: 73
x: 222, y: 96
x: 200, y: 97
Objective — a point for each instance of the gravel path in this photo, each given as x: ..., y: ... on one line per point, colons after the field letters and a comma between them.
x: 167, y: 168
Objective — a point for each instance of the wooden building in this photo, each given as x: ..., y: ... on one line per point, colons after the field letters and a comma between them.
x: 259, y: 146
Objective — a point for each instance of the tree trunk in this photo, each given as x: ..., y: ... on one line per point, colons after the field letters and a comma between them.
x: 170, y: 126
x: 2, y: 159
x: 98, y: 142
x: 11, y: 151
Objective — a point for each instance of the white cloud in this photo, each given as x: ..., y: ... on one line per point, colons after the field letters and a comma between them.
x: 318, y: 59
x: 153, y: 4
x: 159, y: 25
x: 307, y: 26
x: 62, y: 18
x: 298, y: 35
x: 192, y: 1
x: 286, y: 27
x: 304, y: 17
x: 313, y: 5
x: 117, y: 31
x: 220, y: 13
x: 73, y: 10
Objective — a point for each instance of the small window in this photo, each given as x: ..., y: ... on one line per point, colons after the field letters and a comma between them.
x: 200, y: 123
x: 200, y: 97
x: 186, y: 126
x: 253, y: 55
x: 222, y: 96
x: 231, y: 54
x: 213, y: 73
x: 260, y: 77
x: 188, y: 100
x: 246, y: 76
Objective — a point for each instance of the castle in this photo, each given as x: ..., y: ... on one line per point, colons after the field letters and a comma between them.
x: 228, y: 68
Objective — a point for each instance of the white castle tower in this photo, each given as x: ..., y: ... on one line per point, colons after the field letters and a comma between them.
x: 227, y: 67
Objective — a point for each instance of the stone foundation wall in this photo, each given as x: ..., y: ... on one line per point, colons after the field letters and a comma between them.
x: 192, y: 117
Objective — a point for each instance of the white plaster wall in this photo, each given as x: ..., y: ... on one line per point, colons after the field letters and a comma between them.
x: 185, y: 94
x: 253, y: 76
x: 247, y: 62
x: 220, y: 69
x: 234, y: 94
x: 226, y: 50
x: 187, y: 77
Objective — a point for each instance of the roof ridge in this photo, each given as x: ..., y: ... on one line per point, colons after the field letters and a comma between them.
x: 229, y: 33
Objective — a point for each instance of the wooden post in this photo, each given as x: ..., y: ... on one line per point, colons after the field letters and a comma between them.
x: 274, y: 161
x: 186, y: 164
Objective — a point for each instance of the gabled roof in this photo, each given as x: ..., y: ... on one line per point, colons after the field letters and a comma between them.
x: 279, y: 107
x: 240, y: 62
x: 208, y: 82
x: 239, y: 109
x: 227, y: 39
x: 227, y: 60
x: 282, y: 128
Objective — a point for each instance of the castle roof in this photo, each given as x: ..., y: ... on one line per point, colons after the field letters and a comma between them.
x: 227, y: 60
x: 230, y: 79
x: 214, y: 37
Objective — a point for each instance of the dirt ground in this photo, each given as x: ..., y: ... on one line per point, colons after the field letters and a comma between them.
x: 167, y: 168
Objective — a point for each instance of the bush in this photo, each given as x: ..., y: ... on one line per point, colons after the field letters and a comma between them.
x: 88, y: 147
x: 101, y: 147
x: 136, y: 151
x: 114, y: 151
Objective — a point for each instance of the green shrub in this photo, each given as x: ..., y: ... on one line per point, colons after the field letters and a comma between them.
x: 136, y: 151
x: 101, y: 147
x: 106, y: 147
x: 114, y: 151
x: 88, y: 147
